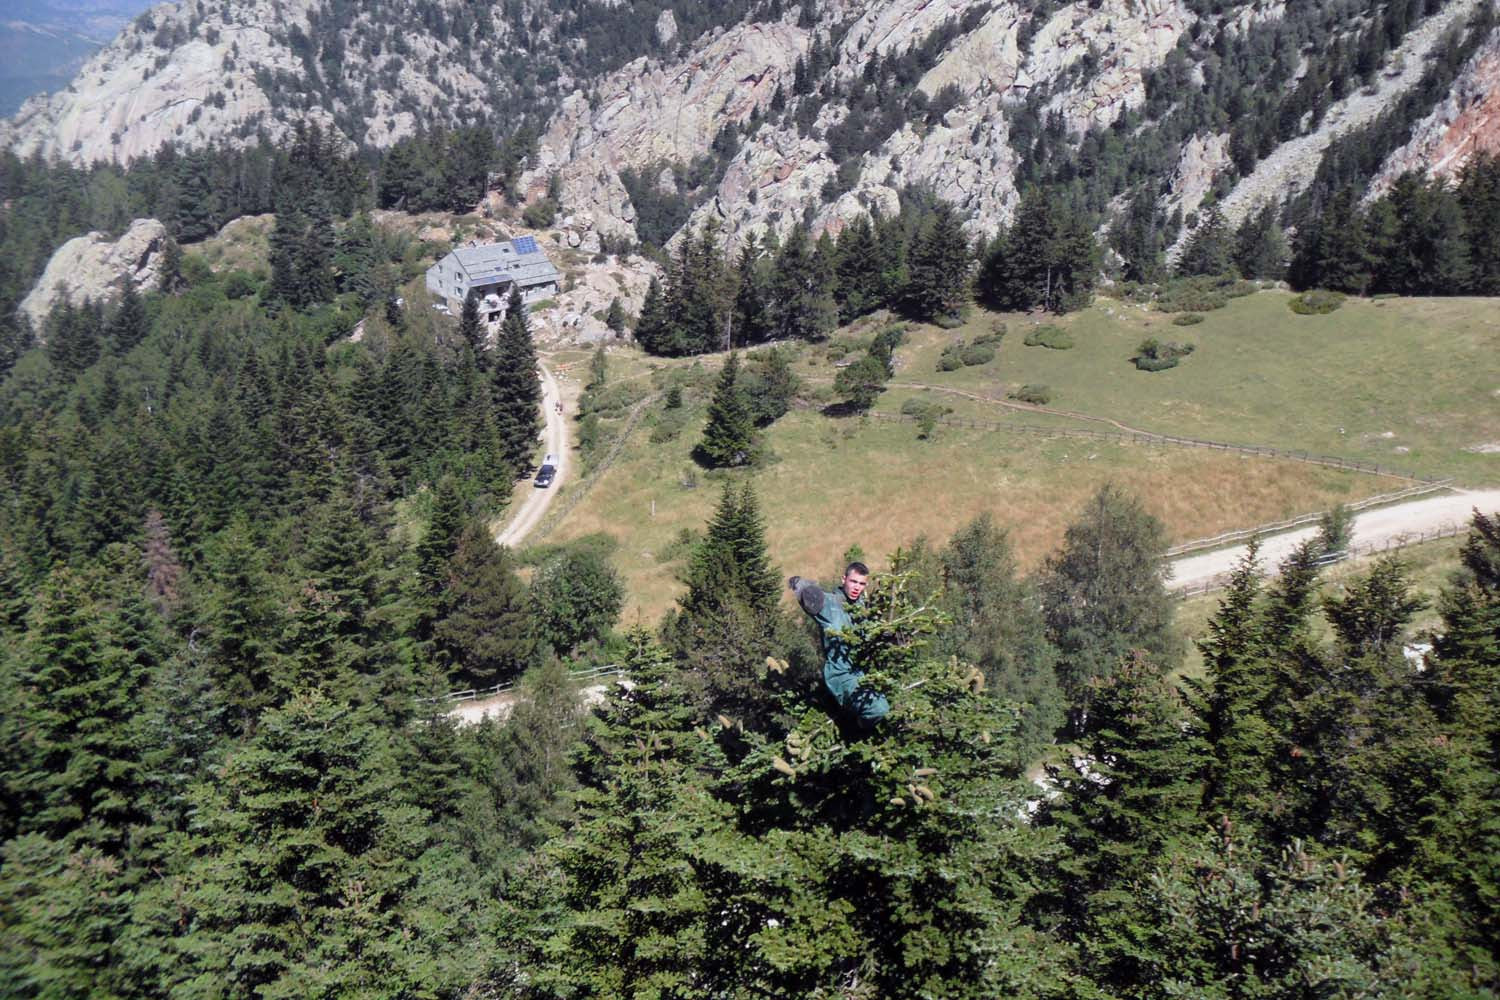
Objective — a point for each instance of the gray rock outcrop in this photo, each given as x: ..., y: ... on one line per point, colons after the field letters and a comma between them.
x: 93, y: 268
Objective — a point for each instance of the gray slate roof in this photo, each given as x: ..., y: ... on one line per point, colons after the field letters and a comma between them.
x: 501, y: 262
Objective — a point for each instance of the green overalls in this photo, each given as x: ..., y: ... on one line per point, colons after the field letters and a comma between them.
x: 829, y: 610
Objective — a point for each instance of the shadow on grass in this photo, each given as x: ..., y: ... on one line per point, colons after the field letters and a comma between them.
x: 843, y: 409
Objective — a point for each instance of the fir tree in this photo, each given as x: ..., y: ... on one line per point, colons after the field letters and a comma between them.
x: 635, y: 916
x: 576, y: 598
x: 1104, y: 595
x: 729, y: 437
x: 1128, y: 798
x: 517, y: 391
x: 614, y: 317
x: 472, y: 330
x: 484, y: 631
x: 938, y: 268
x: 130, y: 324
x: 1210, y: 249
x: 653, y: 326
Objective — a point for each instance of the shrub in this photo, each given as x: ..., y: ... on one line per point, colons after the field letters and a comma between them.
x: 951, y: 360
x: 1051, y: 336
x: 996, y: 334
x: 1039, y: 394
x: 1316, y: 302
x: 977, y: 354
x: 1187, y: 319
x: 948, y: 321
x: 1154, y: 355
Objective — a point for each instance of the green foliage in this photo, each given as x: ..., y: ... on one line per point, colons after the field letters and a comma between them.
x: 729, y: 437
x: 1187, y: 319
x: 1041, y: 395
x: 1049, y: 336
x: 576, y: 598
x: 516, y: 391
x: 1315, y: 303
x: 860, y: 383
x: 977, y: 354
x: 1104, y: 595
x: 1156, y: 355
x: 1335, y: 528
x: 485, y: 629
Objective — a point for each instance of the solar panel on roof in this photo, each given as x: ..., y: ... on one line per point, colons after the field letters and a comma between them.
x: 524, y: 244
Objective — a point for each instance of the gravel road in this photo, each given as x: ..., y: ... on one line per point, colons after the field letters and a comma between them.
x: 1377, y: 526
x: 533, y: 507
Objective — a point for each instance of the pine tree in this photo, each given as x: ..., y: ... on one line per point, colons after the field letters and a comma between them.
x: 1128, y: 798
x: 997, y: 626
x: 938, y: 268
x: 802, y: 304
x: 1210, y: 249
x: 130, y: 324
x: 635, y: 916
x: 1104, y: 595
x: 729, y: 437
x: 614, y: 317
x: 885, y: 866
x: 576, y: 598
x: 727, y: 623
x: 1260, y: 248
x: 517, y: 391
x: 485, y: 631
x: 472, y: 330
x: 653, y: 328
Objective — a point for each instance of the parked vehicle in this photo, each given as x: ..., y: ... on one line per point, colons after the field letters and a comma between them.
x: 546, y: 473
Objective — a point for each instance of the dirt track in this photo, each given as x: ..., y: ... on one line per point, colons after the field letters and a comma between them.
x: 533, y: 506
x: 1373, y: 527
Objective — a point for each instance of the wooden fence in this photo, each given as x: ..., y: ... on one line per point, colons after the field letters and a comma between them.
x: 1150, y: 438
x: 1391, y: 544
x: 581, y: 677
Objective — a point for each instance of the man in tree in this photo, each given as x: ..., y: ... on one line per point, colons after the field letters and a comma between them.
x: 831, y: 611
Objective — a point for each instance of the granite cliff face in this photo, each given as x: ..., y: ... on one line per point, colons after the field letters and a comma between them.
x: 94, y: 268
x: 1463, y: 125
x: 191, y: 73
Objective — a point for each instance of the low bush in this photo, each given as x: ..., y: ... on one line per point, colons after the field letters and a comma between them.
x: 1051, y: 336
x: 1187, y: 319
x: 951, y: 360
x: 948, y: 321
x: 996, y: 334
x: 977, y: 354
x: 1039, y: 394
x: 1316, y: 302
x: 1156, y: 355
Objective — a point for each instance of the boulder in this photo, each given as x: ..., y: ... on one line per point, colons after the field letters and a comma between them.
x: 93, y: 267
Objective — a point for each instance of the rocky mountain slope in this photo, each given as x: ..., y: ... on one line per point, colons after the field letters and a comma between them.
x: 778, y: 113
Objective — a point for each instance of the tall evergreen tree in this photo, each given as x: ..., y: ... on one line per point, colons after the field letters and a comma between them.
x: 938, y: 268
x: 517, y: 391
x: 130, y: 324
x: 653, y: 327
x: 485, y: 632
x: 729, y: 437
x: 1210, y: 249
x: 1104, y: 595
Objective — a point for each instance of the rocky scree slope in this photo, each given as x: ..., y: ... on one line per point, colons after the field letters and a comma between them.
x: 827, y: 114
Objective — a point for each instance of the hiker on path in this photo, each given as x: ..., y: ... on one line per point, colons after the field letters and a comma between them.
x: 831, y: 611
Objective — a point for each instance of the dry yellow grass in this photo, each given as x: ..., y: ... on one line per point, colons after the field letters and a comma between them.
x: 840, y: 483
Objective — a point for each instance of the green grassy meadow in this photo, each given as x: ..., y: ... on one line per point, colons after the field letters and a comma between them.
x: 1261, y: 375
x: 1410, y: 384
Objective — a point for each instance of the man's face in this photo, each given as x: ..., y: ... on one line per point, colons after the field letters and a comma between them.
x: 854, y: 584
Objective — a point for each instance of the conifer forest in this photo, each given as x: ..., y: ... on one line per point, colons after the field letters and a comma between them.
x: 244, y: 558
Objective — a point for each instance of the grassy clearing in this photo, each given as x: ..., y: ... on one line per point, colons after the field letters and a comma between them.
x: 1408, y: 383
x: 1421, y: 370
x: 836, y: 483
